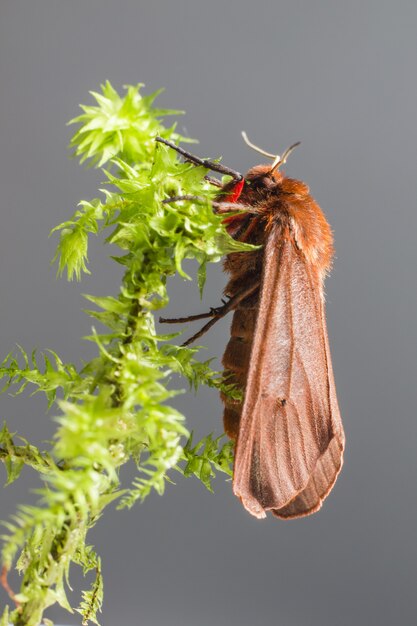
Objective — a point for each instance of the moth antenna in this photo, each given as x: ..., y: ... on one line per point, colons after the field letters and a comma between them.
x: 257, y: 148
x: 280, y: 160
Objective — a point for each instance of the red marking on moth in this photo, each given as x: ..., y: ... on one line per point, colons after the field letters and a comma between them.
x: 236, y: 191
x: 234, y: 197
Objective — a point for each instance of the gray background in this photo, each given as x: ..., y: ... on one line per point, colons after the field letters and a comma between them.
x: 341, y: 77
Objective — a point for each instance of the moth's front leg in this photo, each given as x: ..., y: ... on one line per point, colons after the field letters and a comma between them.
x: 214, y: 313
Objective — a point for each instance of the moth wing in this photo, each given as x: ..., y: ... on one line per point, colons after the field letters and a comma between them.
x: 290, y: 444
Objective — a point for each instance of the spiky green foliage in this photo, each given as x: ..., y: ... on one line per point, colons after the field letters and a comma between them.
x: 116, y: 408
x: 120, y: 126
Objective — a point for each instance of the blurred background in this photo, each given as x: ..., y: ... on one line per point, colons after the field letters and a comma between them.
x: 340, y: 77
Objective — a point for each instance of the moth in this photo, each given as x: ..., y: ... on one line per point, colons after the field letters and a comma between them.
x: 288, y: 429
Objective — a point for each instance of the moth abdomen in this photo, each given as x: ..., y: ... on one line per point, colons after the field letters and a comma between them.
x: 236, y: 361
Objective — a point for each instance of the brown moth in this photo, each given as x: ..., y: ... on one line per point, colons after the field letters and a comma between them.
x: 288, y: 430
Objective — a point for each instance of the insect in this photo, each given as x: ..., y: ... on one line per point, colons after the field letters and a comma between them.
x: 288, y: 429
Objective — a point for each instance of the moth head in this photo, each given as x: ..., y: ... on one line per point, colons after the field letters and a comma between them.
x: 267, y: 177
x: 261, y: 179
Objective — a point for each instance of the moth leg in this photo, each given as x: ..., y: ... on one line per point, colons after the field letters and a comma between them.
x: 213, y: 181
x: 220, y: 312
x: 220, y: 207
x: 210, y: 165
x: 189, y: 318
x: 225, y: 206
x: 192, y: 318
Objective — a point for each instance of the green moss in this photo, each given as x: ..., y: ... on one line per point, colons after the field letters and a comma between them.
x: 116, y: 408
